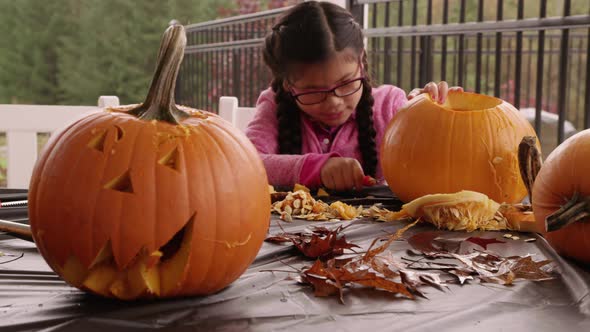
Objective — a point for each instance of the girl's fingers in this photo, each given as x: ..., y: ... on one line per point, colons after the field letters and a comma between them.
x: 456, y: 89
x: 357, y: 176
x: 432, y: 89
x: 443, y: 91
x: 328, y: 180
x: 340, y: 179
x: 414, y: 93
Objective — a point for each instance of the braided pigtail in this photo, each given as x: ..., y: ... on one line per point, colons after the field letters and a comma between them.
x: 364, y: 120
x: 289, y: 119
x: 313, y: 32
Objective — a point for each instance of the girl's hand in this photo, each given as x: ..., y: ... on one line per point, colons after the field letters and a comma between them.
x: 342, y: 174
x: 438, y: 92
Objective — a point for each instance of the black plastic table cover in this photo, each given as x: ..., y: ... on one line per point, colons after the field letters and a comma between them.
x: 33, y: 298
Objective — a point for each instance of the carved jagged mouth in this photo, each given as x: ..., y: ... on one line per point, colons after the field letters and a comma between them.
x: 150, y: 274
x: 171, y: 247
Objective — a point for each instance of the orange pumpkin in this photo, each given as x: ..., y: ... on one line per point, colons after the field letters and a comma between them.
x: 468, y: 143
x: 154, y: 200
x: 561, y: 194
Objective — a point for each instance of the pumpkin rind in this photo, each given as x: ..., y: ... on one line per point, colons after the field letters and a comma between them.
x: 565, y: 172
x: 150, y: 200
x: 468, y: 143
x: 219, y: 178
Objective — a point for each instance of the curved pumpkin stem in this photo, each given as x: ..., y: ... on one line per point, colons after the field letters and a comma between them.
x: 159, y: 103
x: 530, y: 161
x: 574, y: 210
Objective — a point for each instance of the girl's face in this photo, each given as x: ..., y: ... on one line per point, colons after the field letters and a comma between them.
x: 331, y: 74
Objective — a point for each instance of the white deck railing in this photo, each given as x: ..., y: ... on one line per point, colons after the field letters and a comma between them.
x: 22, y: 123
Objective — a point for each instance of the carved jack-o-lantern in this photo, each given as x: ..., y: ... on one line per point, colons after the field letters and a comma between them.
x: 153, y: 200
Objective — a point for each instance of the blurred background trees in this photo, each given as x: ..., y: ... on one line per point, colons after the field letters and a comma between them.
x: 69, y: 52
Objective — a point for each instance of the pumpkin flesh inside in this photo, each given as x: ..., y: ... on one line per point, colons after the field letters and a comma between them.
x: 470, y: 102
x: 469, y: 211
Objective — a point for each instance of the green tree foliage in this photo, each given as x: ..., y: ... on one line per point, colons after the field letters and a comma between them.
x: 72, y: 51
x: 28, y: 55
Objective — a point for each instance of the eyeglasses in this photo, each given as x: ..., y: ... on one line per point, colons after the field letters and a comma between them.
x: 317, y: 96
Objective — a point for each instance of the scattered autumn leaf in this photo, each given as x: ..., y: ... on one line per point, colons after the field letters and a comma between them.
x: 436, y: 261
x: 328, y: 280
x: 423, y: 241
x: 331, y: 277
x: 320, y: 242
x: 483, y: 242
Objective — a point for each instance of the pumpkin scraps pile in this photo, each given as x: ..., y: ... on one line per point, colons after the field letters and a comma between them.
x: 432, y: 258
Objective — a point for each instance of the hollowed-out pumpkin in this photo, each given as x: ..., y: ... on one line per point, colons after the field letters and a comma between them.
x: 468, y: 143
x: 151, y: 200
x: 561, y: 197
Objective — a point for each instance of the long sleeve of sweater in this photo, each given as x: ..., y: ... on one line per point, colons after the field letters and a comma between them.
x: 282, y: 169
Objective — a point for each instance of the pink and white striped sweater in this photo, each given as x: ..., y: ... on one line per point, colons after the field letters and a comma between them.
x: 317, y: 147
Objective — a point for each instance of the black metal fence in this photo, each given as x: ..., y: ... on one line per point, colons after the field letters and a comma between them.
x: 534, y: 57
x: 223, y: 58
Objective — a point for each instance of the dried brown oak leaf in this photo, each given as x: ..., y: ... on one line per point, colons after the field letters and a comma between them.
x: 483, y: 242
x: 327, y: 280
x: 320, y: 243
x: 331, y: 277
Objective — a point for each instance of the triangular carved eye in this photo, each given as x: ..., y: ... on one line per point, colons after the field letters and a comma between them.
x: 170, y: 159
x: 121, y: 183
x: 119, y: 133
x: 97, y: 142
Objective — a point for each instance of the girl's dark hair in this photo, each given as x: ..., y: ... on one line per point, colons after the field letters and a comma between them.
x: 312, y: 32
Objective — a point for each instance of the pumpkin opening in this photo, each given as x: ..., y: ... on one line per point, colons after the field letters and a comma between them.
x: 121, y: 183
x: 467, y: 102
x: 118, y: 133
x: 97, y: 142
x: 170, y: 159
x: 171, y: 247
x: 149, y: 274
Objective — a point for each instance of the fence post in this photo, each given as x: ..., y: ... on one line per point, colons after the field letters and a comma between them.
x: 108, y: 101
x: 357, y: 11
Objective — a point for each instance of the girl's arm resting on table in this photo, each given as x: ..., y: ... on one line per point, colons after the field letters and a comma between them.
x: 286, y: 169
x: 281, y: 169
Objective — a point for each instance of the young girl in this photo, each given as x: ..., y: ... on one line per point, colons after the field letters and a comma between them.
x: 321, y: 122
